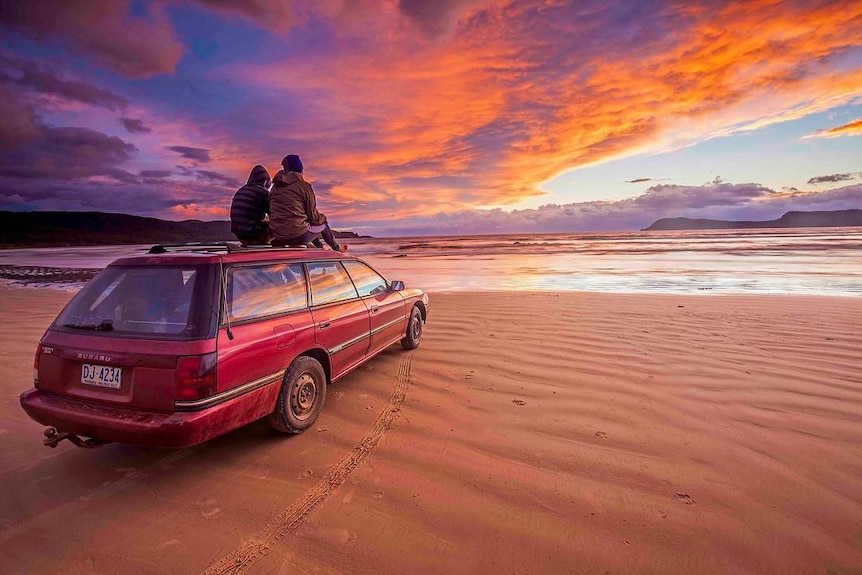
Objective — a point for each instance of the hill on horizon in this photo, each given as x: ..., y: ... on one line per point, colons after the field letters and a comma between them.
x: 51, y: 229
x: 819, y: 219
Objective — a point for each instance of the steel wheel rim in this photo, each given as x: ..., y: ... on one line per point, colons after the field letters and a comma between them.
x: 415, y: 328
x: 304, y: 396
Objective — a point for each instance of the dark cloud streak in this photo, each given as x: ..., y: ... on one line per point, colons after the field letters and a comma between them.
x: 831, y: 179
x: 196, y: 154
x: 155, y: 174
x: 436, y: 17
x: 216, y: 178
x: 23, y: 74
x: 275, y: 15
x: 134, y: 126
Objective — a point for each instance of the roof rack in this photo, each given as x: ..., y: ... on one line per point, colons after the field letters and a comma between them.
x: 193, y: 247
x: 214, y: 247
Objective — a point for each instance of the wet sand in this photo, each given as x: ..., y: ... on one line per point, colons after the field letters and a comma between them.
x: 529, y: 433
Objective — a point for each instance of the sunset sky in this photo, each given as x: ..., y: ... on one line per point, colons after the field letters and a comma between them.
x: 421, y: 117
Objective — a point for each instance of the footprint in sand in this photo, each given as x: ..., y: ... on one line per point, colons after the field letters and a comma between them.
x: 348, y: 498
x: 686, y: 498
x: 344, y: 536
x: 212, y: 511
x: 519, y: 402
x: 377, y: 495
x: 602, y: 434
x: 170, y: 543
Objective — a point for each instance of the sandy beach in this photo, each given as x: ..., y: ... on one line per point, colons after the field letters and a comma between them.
x: 529, y: 433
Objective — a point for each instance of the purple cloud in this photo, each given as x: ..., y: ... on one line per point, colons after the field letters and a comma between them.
x: 155, y: 174
x: 134, y: 126
x: 272, y: 14
x: 68, y: 154
x: 436, y: 17
x: 190, y: 153
x: 216, y: 178
x: 722, y: 201
x: 163, y: 197
x: 19, y: 120
x: 134, y: 44
x: 22, y: 74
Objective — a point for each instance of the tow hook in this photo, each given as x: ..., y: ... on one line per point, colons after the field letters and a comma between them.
x: 53, y: 437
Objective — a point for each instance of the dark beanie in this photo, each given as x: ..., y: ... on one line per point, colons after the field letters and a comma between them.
x: 292, y: 163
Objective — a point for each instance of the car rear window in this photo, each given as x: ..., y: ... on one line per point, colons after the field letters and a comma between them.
x: 173, y: 302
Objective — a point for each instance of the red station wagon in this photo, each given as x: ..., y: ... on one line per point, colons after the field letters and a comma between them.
x: 175, y: 347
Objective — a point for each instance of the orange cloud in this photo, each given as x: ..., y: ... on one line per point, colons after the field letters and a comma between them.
x: 198, y: 211
x: 853, y: 128
x: 516, y: 94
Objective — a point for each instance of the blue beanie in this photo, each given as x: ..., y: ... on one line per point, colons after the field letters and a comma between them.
x: 292, y: 163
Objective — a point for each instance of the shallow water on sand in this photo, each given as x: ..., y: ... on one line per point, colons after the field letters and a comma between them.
x: 814, y: 261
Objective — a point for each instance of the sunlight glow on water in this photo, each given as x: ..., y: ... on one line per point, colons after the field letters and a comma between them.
x: 814, y: 261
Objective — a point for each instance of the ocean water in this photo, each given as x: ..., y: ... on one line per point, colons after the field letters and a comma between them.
x: 812, y: 261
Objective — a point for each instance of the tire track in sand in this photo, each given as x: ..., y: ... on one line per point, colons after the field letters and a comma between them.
x: 262, y: 543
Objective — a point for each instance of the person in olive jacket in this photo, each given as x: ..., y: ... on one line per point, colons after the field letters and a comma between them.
x: 293, y: 216
x: 249, y: 209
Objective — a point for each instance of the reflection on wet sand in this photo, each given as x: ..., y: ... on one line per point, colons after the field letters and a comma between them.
x: 821, y: 261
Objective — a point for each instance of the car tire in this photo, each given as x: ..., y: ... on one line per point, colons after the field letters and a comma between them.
x: 414, y: 330
x: 301, y: 398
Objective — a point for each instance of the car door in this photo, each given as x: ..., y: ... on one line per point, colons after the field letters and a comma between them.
x: 387, y: 308
x: 267, y: 313
x: 341, y: 320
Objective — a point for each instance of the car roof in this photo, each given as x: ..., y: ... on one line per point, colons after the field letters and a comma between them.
x: 184, y: 254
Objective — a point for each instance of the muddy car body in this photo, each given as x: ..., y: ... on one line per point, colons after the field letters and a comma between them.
x: 185, y: 343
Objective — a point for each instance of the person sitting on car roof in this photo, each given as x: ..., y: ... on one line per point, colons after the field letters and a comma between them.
x: 250, y: 208
x: 294, y: 218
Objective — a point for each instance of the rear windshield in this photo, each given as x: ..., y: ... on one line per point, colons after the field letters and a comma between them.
x: 174, y: 302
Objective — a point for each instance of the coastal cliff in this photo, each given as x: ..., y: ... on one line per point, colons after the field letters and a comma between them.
x: 46, y: 229
x: 837, y: 218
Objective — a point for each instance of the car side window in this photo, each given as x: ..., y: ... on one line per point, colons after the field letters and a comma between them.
x: 262, y: 290
x: 367, y: 281
x: 329, y: 283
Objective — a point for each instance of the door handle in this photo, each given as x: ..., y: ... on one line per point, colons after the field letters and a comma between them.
x: 324, y: 324
x: 374, y: 309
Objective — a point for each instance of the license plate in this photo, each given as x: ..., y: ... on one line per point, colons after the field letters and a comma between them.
x: 101, y: 375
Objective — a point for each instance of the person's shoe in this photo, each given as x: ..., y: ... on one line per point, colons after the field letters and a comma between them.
x: 342, y: 247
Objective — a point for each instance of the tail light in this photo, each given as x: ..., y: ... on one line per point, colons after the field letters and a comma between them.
x: 195, y: 376
x: 36, y: 365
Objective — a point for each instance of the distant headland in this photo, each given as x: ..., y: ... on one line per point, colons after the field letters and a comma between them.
x: 836, y: 218
x: 50, y: 229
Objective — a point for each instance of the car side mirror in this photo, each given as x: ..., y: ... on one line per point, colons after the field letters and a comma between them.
x: 396, y: 285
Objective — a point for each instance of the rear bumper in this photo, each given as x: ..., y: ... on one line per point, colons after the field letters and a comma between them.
x: 145, y: 428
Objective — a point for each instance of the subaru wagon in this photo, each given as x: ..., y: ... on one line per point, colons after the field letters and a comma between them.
x: 185, y: 343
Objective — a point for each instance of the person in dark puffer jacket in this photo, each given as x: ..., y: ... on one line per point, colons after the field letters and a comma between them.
x: 250, y: 208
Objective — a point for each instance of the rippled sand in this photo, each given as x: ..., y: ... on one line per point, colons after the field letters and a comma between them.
x: 529, y: 433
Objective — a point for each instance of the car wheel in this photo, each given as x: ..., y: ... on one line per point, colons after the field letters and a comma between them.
x: 414, y: 330
x: 301, y: 398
